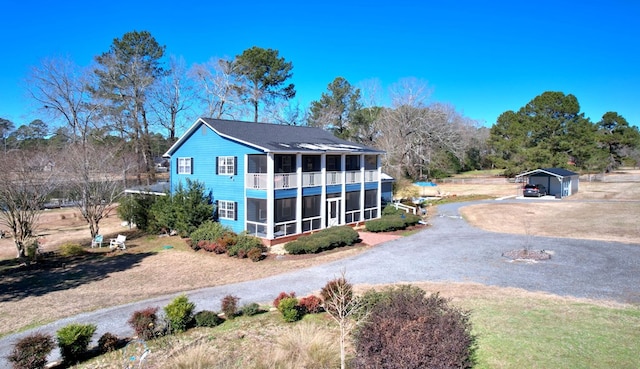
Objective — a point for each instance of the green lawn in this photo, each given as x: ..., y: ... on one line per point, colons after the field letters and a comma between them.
x: 521, y: 331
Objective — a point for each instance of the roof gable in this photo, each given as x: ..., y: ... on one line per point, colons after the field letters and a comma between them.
x: 276, y: 138
x: 556, y: 172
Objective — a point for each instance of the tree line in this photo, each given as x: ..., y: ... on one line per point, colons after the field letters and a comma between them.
x: 111, y: 120
x: 550, y: 131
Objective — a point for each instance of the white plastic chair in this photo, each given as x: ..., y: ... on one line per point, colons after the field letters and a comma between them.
x: 118, y: 243
x: 97, y: 241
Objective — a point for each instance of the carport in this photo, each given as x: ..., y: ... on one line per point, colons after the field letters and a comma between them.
x: 559, y: 182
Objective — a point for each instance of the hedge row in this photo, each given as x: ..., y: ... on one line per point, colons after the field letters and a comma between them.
x: 390, y: 223
x: 325, y: 239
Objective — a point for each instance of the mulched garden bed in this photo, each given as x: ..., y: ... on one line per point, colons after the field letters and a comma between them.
x: 526, y: 254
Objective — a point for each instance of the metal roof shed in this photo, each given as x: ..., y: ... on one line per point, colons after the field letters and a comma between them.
x: 559, y: 182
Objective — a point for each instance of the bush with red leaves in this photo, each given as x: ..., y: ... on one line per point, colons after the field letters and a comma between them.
x: 406, y: 329
x: 311, y: 304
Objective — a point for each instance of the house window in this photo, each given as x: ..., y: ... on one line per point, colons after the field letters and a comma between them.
x: 370, y: 162
x: 333, y: 162
x: 226, y: 210
x: 185, y: 165
x: 353, y: 162
x: 285, y: 209
x: 226, y: 165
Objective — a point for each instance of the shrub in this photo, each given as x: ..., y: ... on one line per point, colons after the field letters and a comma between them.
x: 290, y: 310
x: 282, y: 295
x: 223, y: 243
x: 207, y: 318
x: 385, y: 224
x: 244, y: 244
x: 74, y: 340
x: 185, y: 210
x: 108, y: 342
x: 325, y: 239
x: 135, y: 209
x: 209, y: 231
x: 144, y: 322
x: 179, y: 313
x: 337, y: 295
x: 406, y: 329
x: 255, y: 254
x: 251, y: 309
x: 71, y: 249
x: 311, y: 304
x: 31, y: 351
x: 390, y: 223
x: 230, y: 306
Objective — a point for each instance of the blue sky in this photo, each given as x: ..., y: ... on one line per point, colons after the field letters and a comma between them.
x: 484, y: 58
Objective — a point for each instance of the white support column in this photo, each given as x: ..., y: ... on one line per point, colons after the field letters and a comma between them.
x: 379, y: 165
x: 362, y: 181
x: 323, y: 193
x: 343, y: 192
x: 270, y: 196
x: 299, y: 193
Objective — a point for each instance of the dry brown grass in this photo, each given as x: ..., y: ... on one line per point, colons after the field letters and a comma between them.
x: 605, y: 211
x: 148, y: 270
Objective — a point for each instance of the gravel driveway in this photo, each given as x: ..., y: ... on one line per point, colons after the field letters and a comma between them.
x: 449, y: 251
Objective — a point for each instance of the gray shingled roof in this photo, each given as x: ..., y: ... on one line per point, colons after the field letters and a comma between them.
x: 558, y: 172
x: 282, y: 138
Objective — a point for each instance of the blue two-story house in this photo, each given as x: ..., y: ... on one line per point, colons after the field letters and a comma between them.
x: 276, y: 181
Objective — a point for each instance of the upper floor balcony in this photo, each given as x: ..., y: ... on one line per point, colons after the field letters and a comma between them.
x: 281, y: 181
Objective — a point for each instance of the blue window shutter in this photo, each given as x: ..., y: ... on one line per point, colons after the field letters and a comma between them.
x: 235, y: 210
x: 235, y: 165
x: 191, y: 165
x: 177, y: 165
x: 217, y: 161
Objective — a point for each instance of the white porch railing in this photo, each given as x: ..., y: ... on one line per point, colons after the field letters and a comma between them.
x: 257, y: 229
x: 311, y: 224
x: 352, y: 216
x: 284, y: 229
x: 334, y: 178
x: 353, y: 177
x: 258, y: 181
x: 370, y: 213
x: 404, y: 207
x: 311, y: 179
x: 285, y: 180
x: 371, y: 176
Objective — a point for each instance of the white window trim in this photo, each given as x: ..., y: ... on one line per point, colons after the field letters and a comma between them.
x: 226, y: 210
x: 226, y: 165
x: 184, y: 165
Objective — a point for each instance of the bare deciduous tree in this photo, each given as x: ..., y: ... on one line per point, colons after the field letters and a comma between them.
x: 218, y: 89
x: 340, y: 303
x: 420, y: 137
x: 172, y: 96
x: 27, y: 180
x: 62, y: 88
x: 92, y: 179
